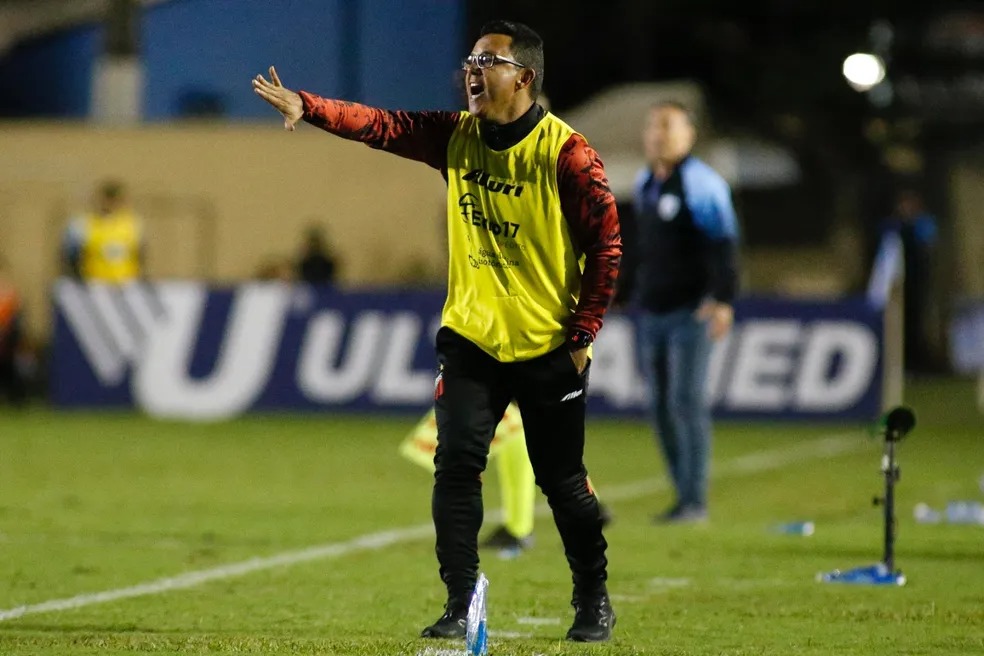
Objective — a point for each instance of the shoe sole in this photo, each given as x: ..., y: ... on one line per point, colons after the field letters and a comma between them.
x: 427, y: 633
x: 605, y: 639
x: 431, y: 632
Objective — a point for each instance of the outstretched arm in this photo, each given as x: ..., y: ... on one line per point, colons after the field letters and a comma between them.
x: 714, y: 215
x: 421, y: 136
x: 72, y: 242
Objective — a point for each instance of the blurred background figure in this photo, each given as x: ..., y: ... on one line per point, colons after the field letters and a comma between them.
x: 13, y: 386
x: 106, y: 244
x: 317, y: 264
x: 682, y: 273
x: 517, y: 485
x: 917, y: 230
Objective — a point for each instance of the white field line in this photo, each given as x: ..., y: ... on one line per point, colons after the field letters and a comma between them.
x: 741, y: 466
x: 509, y: 635
x: 539, y: 621
x: 663, y: 582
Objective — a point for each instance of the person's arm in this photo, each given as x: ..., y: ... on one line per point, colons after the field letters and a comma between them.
x: 141, y: 250
x: 72, y: 248
x: 421, y: 136
x: 589, y: 207
x: 714, y: 215
x: 926, y: 231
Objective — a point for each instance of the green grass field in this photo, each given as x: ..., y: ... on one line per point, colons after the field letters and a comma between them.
x: 309, y: 535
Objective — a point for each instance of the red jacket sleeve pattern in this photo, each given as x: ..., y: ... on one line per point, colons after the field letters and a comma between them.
x: 420, y: 136
x: 589, y: 207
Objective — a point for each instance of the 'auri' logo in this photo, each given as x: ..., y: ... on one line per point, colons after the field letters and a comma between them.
x: 483, y: 179
x: 471, y: 214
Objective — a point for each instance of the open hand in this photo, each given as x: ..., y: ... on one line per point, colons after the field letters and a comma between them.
x: 285, y: 101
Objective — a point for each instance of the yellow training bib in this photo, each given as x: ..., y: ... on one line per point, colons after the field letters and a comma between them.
x: 111, y: 248
x: 513, y: 275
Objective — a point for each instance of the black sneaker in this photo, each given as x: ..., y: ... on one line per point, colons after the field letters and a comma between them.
x: 669, y: 515
x: 594, y: 619
x: 687, y: 514
x: 502, y: 539
x: 450, y: 625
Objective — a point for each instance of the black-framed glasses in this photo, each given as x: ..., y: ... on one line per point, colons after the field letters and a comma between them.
x: 487, y: 60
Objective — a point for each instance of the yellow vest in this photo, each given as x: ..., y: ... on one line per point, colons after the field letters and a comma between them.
x: 111, y: 247
x: 513, y: 276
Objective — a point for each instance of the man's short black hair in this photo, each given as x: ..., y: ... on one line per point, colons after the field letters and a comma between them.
x: 111, y: 190
x: 679, y: 106
x: 527, y: 48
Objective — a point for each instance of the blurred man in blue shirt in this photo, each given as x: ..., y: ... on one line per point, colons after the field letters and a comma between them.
x: 917, y: 229
x: 683, y: 277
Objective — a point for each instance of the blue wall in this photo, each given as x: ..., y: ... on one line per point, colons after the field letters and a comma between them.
x: 412, y: 52
x: 207, y: 51
x: 49, y: 76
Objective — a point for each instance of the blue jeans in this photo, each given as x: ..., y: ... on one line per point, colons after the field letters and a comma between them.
x: 676, y: 348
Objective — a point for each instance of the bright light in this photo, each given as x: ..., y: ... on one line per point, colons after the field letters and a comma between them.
x: 863, y: 70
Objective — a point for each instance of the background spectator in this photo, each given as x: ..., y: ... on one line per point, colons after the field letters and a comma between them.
x: 107, y: 244
x: 317, y: 265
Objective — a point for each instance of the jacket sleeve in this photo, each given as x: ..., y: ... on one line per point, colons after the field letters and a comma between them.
x: 714, y: 214
x: 420, y: 136
x: 589, y: 207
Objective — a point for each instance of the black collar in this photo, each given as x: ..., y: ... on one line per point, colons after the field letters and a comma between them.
x: 500, y: 137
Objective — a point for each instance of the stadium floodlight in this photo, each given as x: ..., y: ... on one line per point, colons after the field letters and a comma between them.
x: 863, y: 70
x: 894, y: 427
